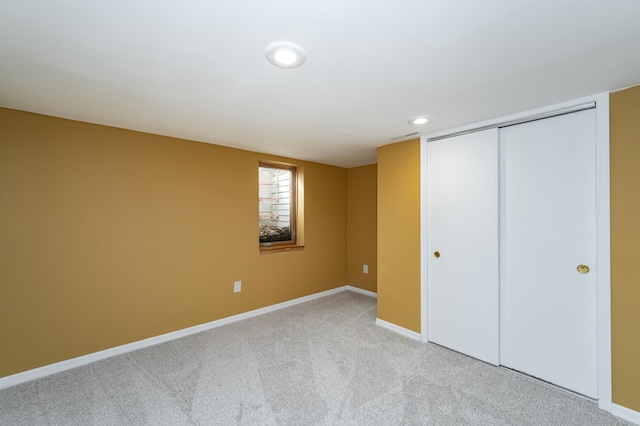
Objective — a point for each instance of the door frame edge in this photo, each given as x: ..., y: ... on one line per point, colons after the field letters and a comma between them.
x: 424, y: 296
x: 603, y: 251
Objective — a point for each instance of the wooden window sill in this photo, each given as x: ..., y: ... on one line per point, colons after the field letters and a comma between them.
x: 281, y: 248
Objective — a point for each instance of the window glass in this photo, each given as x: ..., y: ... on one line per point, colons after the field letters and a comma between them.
x: 276, y: 204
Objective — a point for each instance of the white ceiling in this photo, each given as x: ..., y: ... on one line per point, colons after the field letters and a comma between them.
x: 196, y: 69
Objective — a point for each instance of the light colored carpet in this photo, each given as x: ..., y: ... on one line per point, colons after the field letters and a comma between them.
x: 319, y: 363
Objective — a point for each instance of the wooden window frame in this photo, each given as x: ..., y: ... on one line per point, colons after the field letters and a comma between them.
x: 289, y: 245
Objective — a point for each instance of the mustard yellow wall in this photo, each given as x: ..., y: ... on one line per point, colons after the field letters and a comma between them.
x: 109, y: 236
x: 399, y: 234
x: 625, y: 246
x: 362, y: 226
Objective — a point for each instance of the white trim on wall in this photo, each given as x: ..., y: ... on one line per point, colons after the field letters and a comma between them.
x: 397, y: 329
x: 603, y: 233
x: 625, y: 413
x: 361, y: 291
x: 47, y: 370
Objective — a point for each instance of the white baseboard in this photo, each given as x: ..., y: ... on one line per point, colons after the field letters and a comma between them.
x: 396, y: 328
x: 625, y: 413
x: 47, y: 370
x: 361, y: 291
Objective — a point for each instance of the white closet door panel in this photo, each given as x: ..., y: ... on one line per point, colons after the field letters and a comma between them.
x: 463, y: 310
x: 548, y: 308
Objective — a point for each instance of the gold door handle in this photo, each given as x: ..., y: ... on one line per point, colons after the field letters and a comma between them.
x: 436, y: 254
x: 583, y: 269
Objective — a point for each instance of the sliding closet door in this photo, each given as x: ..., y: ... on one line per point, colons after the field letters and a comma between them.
x: 548, y: 253
x: 463, y: 244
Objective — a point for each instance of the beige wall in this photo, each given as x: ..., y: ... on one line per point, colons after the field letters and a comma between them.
x: 625, y: 246
x: 399, y: 234
x: 109, y: 236
x: 362, y: 226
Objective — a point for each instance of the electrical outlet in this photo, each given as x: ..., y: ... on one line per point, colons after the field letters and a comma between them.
x: 365, y: 269
x: 237, y: 286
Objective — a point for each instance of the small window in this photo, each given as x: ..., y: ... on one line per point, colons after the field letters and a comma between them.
x: 277, y: 205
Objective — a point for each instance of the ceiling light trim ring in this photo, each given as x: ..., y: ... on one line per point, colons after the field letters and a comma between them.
x: 419, y: 120
x: 285, y: 54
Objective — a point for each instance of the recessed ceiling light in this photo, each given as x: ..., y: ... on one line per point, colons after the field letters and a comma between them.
x: 285, y: 54
x: 419, y: 119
